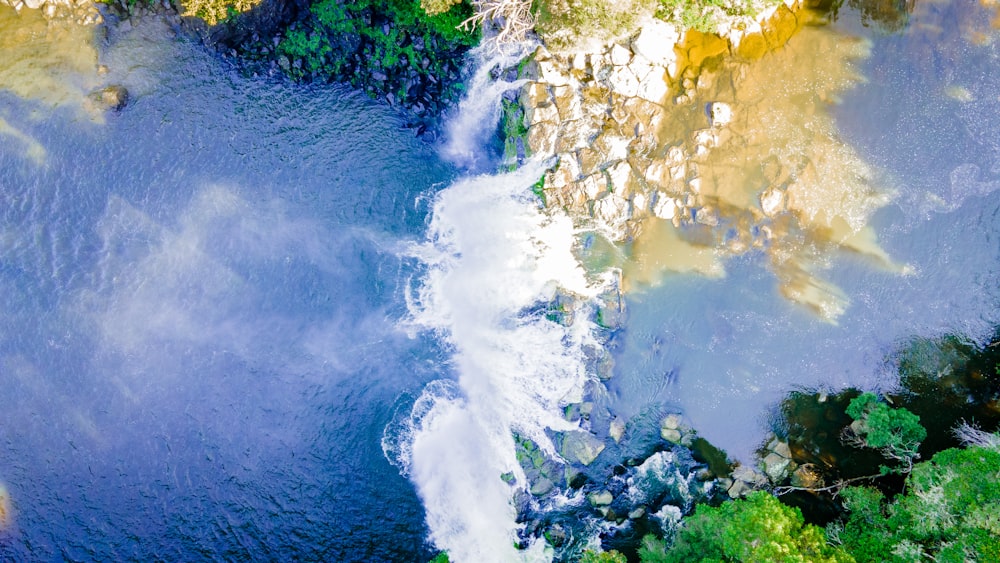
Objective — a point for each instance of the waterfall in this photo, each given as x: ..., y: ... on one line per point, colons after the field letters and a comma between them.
x: 477, y: 114
x: 490, y: 255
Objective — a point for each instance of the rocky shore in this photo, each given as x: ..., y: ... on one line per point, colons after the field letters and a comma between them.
x: 607, y: 115
x: 83, y: 12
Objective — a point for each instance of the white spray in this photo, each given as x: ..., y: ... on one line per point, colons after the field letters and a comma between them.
x: 468, y: 130
x: 491, y: 254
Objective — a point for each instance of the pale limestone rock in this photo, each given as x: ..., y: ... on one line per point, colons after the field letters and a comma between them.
x: 670, y: 435
x: 623, y: 82
x: 772, y: 201
x: 720, y: 113
x: 638, y: 204
x: 617, y: 429
x: 672, y: 420
x: 665, y: 207
x: 613, y: 211
x: 678, y: 173
x: 706, y: 138
x: 656, y: 42
x: 653, y: 89
x: 776, y: 467
x: 658, y: 173
x: 34, y: 4
x: 694, y: 184
x: 550, y: 73
x: 579, y: 61
x: 594, y: 185
x: 603, y: 498
x: 577, y: 134
x: 707, y: 216
x: 542, y: 138
x: 580, y: 446
x: 568, y: 102
x: 620, y: 179
x: 611, y: 146
x: 620, y: 56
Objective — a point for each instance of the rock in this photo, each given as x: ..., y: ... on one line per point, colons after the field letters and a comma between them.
x: 720, y: 114
x: 34, y: 4
x: 776, y: 467
x: 749, y: 475
x: 568, y: 103
x: 782, y: 449
x: 739, y: 489
x: 542, y: 487
x: 113, y: 97
x: 616, y: 429
x: 620, y: 178
x: 580, y: 446
x: 624, y: 82
x: 656, y: 42
x: 672, y: 421
x: 637, y: 513
x: 772, y: 201
x: 611, y: 145
x: 807, y: 477
x: 671, y: 435
x: 613, y: 211
x: 603, y: 498
x: 620, y: 56
x: 664, y: 207
x: 653, y: 87
x: 542, y: 138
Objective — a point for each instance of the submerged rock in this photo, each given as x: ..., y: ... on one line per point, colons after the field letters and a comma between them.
x: 114, y: 97
x: 582, y: 447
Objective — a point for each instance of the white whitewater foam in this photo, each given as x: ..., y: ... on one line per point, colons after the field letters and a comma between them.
x: 469, y: 129
x: 491, y: 254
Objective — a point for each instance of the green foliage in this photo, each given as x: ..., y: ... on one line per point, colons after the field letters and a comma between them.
x: 312, y: 48
x: 612, y: 556
x: 440, y: 558
x: 705, y: 15
x: 756, y: 529
x: 896, y: 433
x: 564, y: 23
x: 216, y: 11
x: 434, y: 7
x: 950, y: 512
x: 322, y: 41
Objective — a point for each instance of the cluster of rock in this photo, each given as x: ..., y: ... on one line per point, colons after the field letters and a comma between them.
x: 83, y: 12
x: 604, y: 114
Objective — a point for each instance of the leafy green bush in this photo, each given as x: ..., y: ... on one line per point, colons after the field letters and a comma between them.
x: 756, y: 529
x: 896, y: 433
x: 950, y: 512
x: 590, y: 556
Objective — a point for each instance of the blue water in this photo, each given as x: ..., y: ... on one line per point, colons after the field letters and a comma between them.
x: 199, y: 350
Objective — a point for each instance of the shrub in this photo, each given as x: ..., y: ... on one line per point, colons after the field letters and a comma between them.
x: 756, y: 529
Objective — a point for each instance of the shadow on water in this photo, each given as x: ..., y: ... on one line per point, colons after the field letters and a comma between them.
x: 946, y: 382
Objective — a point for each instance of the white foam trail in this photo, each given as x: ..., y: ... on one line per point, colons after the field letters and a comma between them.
x: 491, y: 253
x: 467, y: 131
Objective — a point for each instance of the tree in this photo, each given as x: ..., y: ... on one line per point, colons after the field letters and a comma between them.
x: 949, y: 512
x: 896, y: 433
x: 757, y: 529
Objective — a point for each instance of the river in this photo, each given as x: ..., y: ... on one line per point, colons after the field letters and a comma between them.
x: 251, y: 320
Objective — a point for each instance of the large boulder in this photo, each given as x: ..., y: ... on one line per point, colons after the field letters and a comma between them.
x: 114, y: 97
